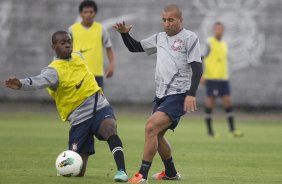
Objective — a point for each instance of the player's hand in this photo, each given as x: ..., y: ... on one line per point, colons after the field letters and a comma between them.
x: 13, y: 83
x: 122, y: 28
x: 110, y: 71
x: 190, y: 104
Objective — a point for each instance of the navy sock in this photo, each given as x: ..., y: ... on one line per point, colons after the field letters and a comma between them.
x: 209, y: 121
x: 115, y: 145
x: 144, y: 169
x: 170, y: 170
x: 230, y: 119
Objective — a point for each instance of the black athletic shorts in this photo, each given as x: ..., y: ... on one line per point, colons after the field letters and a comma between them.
x: 81, y: 138
x: 217, y: 88
x: 173, y: 106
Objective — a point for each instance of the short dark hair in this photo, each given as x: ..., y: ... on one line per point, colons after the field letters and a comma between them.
x: 218, y: 24
x: 173, y: 7
x: 54, y: 36
x: 88, y: 3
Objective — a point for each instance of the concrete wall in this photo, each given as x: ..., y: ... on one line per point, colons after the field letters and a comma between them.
x: 253, y: 30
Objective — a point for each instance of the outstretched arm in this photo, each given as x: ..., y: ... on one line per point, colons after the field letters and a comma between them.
x: 13, y: 83
x: 47, y: 78
x: 130, y: 43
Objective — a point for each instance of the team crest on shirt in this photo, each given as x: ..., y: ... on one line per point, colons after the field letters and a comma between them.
x: 177, y: 45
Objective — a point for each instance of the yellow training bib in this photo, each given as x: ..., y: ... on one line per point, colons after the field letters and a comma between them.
x: 215, y: 63
x: 88, y: 41
x: 76, y: 83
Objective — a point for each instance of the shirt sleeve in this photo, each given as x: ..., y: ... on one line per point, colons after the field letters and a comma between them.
x: 70, y: 31
x: 132, y: 44
x: 48, y: 78
x: 205, y: 50
x: 197, y: 71
x: 150, y: 44
x: 106, y: 38
x: 193, y: 49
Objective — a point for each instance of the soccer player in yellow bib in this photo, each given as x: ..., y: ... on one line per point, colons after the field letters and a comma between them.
x: 216, y: 79
x: 89, y: 38
x: 79, y: 100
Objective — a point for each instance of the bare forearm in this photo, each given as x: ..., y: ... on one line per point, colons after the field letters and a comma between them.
x: 110, y: 54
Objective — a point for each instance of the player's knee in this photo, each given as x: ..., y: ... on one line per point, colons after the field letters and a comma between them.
x: 107, y: 129
x: 110, y: 130
x: 150, y: 128
x: 227, y: 103
x: 210, y: 103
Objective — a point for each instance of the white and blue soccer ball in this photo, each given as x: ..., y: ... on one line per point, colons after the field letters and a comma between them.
x: 69, y: 163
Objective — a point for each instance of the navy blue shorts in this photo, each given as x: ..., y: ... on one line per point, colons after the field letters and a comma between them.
x: 81, y: 138
x: 100, y: 81
x: 173, y: 106
x: 217, y: 88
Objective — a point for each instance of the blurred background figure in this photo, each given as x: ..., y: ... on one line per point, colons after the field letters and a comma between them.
x: 216, y: 79
x: 90, y: 38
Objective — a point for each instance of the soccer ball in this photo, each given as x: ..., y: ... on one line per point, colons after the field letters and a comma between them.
x: 69, y: 163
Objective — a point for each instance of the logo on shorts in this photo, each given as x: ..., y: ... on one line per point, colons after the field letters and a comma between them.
x: 215, y: 92
x: 177, y: 45
x: 74, y: 147
x: 160, y: 107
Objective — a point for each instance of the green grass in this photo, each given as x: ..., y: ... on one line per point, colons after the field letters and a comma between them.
x: 30, y: 142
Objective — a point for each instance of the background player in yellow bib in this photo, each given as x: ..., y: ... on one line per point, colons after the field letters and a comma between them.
x: 216, y: 79
x: 90, y: 38
x: 79, y: 101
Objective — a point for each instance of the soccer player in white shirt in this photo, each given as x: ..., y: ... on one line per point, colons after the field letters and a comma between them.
x: 178, y: 73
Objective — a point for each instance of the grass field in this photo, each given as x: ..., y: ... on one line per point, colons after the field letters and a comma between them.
x: 30, y: 142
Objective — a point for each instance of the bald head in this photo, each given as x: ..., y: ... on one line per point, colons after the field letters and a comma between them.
x: 173, y: 8
x: 172, y: 19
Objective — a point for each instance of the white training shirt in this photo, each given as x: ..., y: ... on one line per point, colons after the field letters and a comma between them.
x: 174, y: 55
